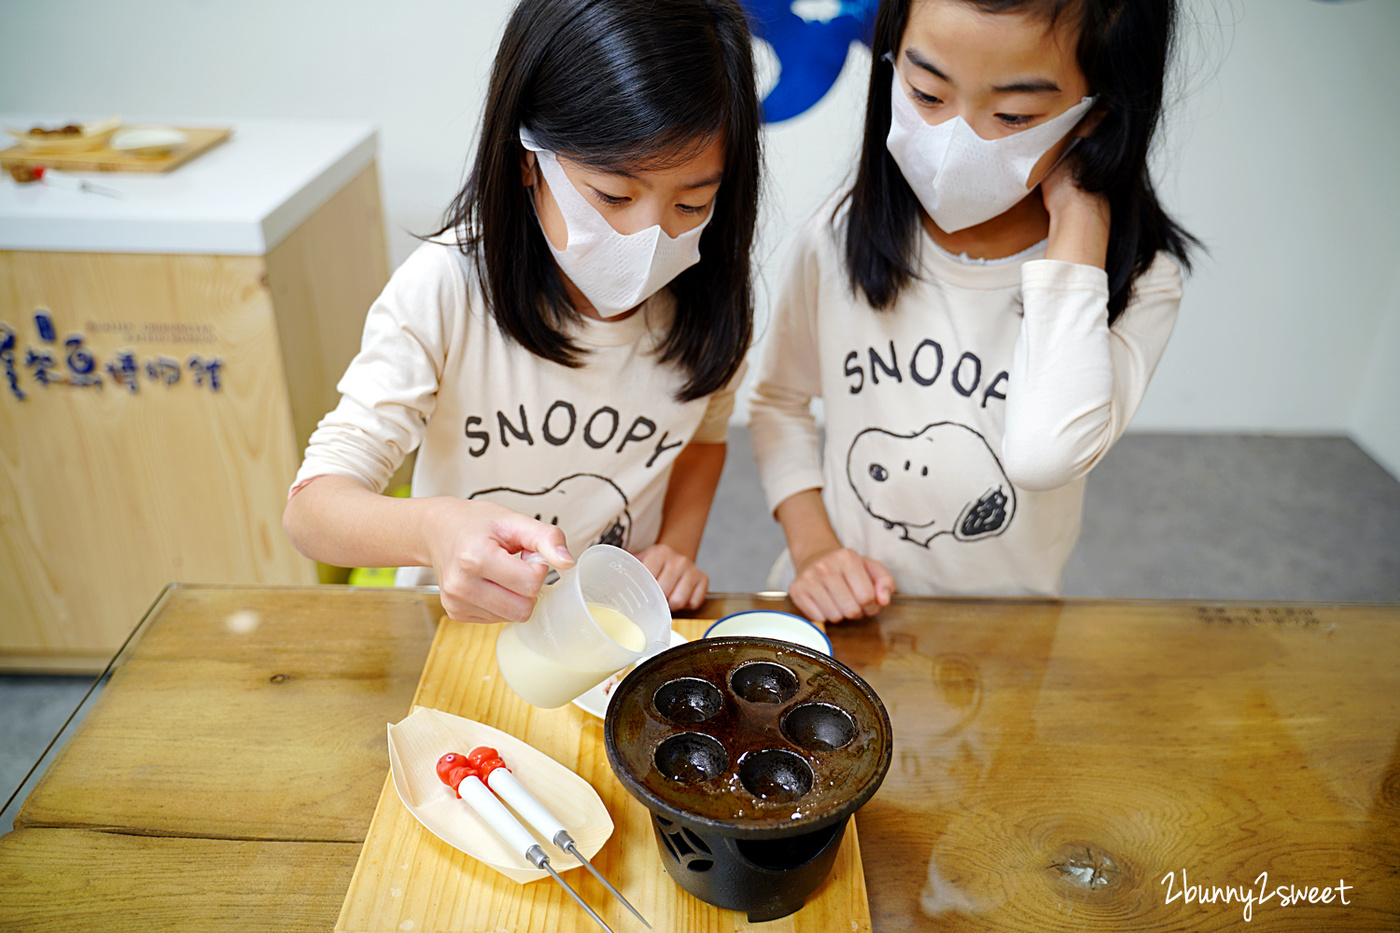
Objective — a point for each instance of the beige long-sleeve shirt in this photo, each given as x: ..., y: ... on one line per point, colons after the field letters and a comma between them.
x: 589, y: 449
x: 960, y: 423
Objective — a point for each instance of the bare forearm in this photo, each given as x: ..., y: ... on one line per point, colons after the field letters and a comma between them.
x: 336, y: 520
x: 473, y: 547
x: 691, y: 492
x: 806, y: 526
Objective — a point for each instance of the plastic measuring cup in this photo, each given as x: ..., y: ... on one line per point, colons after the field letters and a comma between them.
x: 564, y: 648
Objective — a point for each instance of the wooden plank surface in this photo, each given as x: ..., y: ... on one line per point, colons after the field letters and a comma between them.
x: 1057, y: 763
x: 246, y: 713
x: 323, y: 277
x: 50, y: 661
x: 201, y: 139
x: 1054, y: 763
x: 110, y: 491
x: 408, y: 879
x: 108, y: 494
x: 74, y: 879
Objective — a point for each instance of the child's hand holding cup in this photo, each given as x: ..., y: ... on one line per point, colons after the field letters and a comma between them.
x: 604, y: 613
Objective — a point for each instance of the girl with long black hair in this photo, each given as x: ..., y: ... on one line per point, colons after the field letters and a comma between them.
x: 563, y: 352
x: 983, y: 309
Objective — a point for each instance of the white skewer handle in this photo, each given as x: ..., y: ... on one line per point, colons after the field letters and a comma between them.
x: 494, y: 812
x: 514, y: 793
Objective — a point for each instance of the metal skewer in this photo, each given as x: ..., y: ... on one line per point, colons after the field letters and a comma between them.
x: 48, y: 176
x: 487, y: 761
x: 568, y: 846
x: 454, y: 772
x: 534, y: 853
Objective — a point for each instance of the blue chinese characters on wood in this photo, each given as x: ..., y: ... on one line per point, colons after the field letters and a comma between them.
x: 46, y: 361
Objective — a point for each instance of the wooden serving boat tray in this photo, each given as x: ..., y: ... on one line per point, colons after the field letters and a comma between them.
x: 409, y: 880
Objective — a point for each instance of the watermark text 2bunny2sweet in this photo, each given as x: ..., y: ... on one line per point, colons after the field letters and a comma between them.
x: 1284, y: 895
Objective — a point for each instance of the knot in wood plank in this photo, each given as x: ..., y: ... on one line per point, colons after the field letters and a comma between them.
x: 1086, y: 867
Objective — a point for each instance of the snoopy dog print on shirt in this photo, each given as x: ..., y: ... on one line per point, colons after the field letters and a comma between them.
x: 547, y: 505
x: 941, y: 480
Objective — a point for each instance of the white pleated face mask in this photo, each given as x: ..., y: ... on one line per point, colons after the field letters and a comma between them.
x: 960, y: 178
x: 615, y: 271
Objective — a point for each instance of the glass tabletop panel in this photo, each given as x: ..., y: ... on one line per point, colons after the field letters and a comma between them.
x: 188, y: 623
x: 1057, y: 764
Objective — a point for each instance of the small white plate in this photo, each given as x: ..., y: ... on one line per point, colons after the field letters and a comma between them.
x: 596, y: 700
x: 148, y: 140
x: 767, y: 623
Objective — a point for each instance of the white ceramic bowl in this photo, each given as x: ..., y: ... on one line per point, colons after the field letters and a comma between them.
x: 596, y: 700
x: 767, y: 623
x: 148, y: 140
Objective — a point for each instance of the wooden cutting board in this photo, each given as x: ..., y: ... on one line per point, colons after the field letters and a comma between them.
x: 201, y: 139
x: 409, y: 880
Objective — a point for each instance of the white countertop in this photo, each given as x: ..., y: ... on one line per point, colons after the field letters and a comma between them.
x: 241, y: 197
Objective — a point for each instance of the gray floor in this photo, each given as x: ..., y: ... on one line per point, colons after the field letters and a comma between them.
x: 1166, y: 516
x: 1170, y: 516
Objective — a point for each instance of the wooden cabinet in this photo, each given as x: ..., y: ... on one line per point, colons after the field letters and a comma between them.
x: 163, y: 358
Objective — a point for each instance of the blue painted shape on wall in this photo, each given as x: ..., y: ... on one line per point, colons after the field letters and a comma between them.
x: 811, y: 39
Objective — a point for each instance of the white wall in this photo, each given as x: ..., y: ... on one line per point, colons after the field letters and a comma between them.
x: 1283, y: 160
x: 1377, y: 412
x: 1282, y: 157
x: 416, y: 68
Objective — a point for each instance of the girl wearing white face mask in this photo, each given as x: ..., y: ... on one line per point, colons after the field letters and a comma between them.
x: 981, y: 312
x: 563, y: 352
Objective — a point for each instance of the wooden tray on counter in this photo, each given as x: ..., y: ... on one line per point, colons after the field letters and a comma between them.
x: 201, y: 139
x: 408, y: 879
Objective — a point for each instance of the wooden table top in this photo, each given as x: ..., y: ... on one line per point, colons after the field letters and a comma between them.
x: 1058, y: 765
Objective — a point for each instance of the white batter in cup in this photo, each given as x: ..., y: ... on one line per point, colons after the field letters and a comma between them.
x: 604, y: 613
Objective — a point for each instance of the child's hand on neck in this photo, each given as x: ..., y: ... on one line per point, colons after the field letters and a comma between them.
x: 1079, y: 221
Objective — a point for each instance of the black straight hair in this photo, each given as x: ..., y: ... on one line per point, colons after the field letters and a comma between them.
x: 1123, y: 50
x: 618, y: 85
